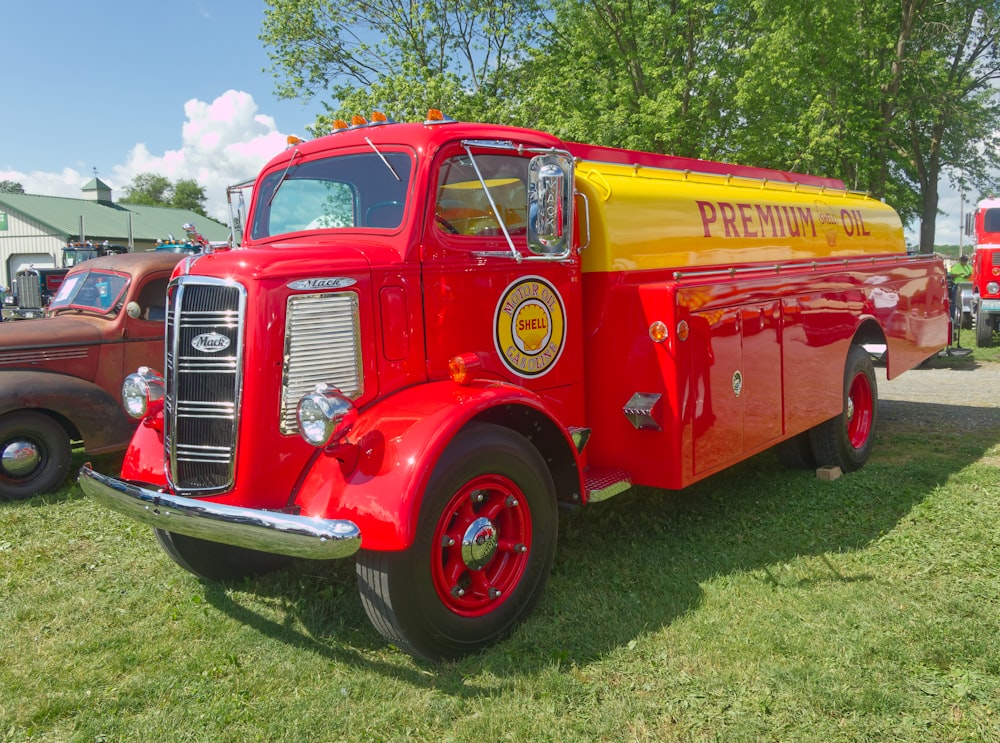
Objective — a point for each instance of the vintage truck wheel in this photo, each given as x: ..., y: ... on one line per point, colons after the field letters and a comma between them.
x: 34, y: 454
x: 215, y: 561
x: 482, y: 552
x: 796, y: 453
x: 846, y: 441
x: 984, y: 329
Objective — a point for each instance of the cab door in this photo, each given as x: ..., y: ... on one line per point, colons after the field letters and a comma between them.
x: 493, y: 286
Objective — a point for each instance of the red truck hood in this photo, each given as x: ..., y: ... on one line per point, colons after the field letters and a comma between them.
x: 63, y: 343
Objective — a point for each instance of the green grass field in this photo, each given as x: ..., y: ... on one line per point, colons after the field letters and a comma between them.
x: 761, y: 604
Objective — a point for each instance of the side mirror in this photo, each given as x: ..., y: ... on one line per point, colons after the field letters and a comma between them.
x: 133, y: 310
x: 550, y: 179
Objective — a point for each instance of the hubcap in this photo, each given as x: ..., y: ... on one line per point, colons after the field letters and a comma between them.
x: 479, y: 544
x: 20, y: 458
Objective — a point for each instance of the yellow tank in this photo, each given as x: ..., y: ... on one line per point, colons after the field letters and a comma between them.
x: 644, y: 218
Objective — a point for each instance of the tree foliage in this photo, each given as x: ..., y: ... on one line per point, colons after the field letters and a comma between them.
x: 150, y: 189
x: 889, y: 95
x: 397, y: 57
x: 11, y: 187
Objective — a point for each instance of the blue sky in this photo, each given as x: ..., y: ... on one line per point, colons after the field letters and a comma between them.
x: 128, y: 86
x: 179, y: 88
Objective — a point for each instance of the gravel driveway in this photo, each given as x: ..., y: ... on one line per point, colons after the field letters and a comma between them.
x: 965, y: 395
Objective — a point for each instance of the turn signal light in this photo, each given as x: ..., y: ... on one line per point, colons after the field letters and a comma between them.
x: 658, y: 331
x: 465, y: 368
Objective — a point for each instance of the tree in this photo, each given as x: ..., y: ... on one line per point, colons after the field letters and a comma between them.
x: 189, y: 195
x: 949, y: 113
x: 11, y: 187
x: 400, y: 58
x: 644, y: 74
x: 888, y: 95
x: 150, y: 189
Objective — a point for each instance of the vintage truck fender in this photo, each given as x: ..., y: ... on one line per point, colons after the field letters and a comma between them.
x: 378, y: 480
x: 97, y: 417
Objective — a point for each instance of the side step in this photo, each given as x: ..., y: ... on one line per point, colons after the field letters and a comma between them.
x: 604, y: 483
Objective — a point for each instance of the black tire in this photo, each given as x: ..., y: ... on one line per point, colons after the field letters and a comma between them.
x: 447, y: 596
x: 846, y: 440
x: 217, y: 562
x: 34, y: 455
x: 984, y: 329
x: 796, y: 453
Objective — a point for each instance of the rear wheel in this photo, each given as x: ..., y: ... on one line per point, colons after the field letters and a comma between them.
x: 984, y: 329
x: 34, y: 454
x: 796, y: 453
x: 846, y: 441
x: 483, y: 549
x: 215, y: 561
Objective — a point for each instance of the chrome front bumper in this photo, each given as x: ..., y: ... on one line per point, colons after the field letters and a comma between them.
x: 265, y: 531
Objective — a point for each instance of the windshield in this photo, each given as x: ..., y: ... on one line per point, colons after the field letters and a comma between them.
x: 99, y: 291
x: 365, y: 190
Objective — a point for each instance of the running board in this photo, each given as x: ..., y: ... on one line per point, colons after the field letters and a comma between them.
x: 604, y: 483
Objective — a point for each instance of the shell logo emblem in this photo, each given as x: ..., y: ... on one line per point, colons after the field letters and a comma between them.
x: 530, y: 326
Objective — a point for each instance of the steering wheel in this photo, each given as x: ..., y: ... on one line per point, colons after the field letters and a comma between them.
x: 448, y: 226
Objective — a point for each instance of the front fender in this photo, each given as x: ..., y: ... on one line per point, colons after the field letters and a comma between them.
x: 97, y: 416
x: 378, y: 481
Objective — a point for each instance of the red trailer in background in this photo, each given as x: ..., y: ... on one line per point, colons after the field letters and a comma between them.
x: 984, y: 225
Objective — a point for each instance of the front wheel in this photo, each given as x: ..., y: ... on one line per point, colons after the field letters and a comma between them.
x: 481, y: 555
x: 984, y: 328
x: 846, y: 441
x: 34, y: 454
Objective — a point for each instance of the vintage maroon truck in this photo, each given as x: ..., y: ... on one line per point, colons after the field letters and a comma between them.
x: 61, y: 375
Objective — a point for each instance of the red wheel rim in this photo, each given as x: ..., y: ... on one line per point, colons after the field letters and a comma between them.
x: 481, y: 545
x: 860, y: 411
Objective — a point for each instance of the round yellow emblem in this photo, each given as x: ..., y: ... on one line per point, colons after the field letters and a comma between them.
x: 530, y: 326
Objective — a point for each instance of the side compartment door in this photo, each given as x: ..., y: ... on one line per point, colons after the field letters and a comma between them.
x: 737, y: 382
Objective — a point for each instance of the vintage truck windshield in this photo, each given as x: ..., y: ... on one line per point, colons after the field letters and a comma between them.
x: 365, y: 190
x: 99, y: 291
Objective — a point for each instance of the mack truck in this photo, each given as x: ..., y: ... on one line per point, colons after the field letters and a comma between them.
x: 434, y: 335
x: 984, y: 226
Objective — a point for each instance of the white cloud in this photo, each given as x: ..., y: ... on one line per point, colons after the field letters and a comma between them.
x: 222, y: 142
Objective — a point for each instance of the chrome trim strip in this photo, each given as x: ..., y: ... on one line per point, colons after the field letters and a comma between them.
x: 265, y: 531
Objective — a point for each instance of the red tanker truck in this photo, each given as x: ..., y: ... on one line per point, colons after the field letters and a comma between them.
x: 984, y: 224
x: 435, y: 334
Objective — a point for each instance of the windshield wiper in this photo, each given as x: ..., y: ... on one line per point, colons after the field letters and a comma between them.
x: 514, y: 253
x: 281, y: 180
x: 382, y: 158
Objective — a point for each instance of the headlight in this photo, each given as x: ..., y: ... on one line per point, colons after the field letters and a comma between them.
x: 325, y: 415
x: 993, y: 288
x: 140, y: 390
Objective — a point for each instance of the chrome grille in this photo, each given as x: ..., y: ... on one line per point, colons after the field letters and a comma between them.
x: 203, y: 382
x: 321, y: 345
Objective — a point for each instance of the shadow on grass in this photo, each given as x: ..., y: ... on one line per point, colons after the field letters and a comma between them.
x: 636, y: 563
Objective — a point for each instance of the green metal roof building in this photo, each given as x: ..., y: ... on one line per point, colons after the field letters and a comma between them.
x: 34, y: 229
